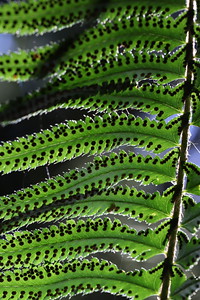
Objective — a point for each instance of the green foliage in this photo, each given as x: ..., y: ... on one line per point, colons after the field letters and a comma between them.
x: 66, y: 141
x: 191, y: 216
x: 126, y: 58
x: 93, y: 236
x: 80, y: 277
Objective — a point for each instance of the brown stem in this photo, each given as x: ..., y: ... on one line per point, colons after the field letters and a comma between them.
x: 177, y: 197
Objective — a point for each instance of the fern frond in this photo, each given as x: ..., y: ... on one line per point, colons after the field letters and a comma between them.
x: 140, y: 62
x: 122, y: 66
x: 24, y: 65
x: 196, y: 68
x: 188, y: 289
x: 52, y: 280
x: 196, y: 108
x: 123, y: 54
x: 114, y: 66
x: 30, y: 17
x: 72, y: 240
x: 121, y: 32
x: 193, y: 178
x: 102, y: 173
x: 75, y: 138
x: 188, y: 255
x: 191, y: 215
x: 153, y: 98
x: 124, y: 35
x: 118, y: 200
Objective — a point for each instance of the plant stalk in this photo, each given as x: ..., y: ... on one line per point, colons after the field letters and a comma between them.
x: 177, y: 196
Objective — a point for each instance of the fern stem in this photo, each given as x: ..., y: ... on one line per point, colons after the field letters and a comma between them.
x: 177, y: 197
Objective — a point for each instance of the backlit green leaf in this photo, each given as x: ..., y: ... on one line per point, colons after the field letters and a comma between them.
x: 187, y: 289
x: 117, y: 200
x: 191, y: 219
x: 73, y: 239
x: 49, y: 281
x: 104, y: 172
x: 189, y: 253
x: 193, y: 178
x: 75, y: 138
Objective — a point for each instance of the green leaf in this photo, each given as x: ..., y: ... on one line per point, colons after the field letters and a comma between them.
x: 178, y: 278
x: 154, y: 98
x: 118, y: 200
x: 196, y: 76
x: 121, y: 66
x: 108, y: 75
x: 122, y: 34
x: 104, y: 172
x: 109, y: 66
x: 188, y: 255
x: 191, y: 215
x: 49, y: 281
x: 23, y: 65
x: 72, y: 240
x: 128, y: 202
x: 195, y: 97
x: 30, y: 17
x: 193, y: 178
x: 187, y: 289
x: 25, y: 18
x: 74, y: 138
x: 123, y: 54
